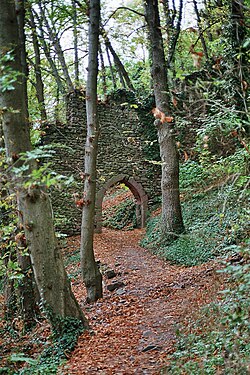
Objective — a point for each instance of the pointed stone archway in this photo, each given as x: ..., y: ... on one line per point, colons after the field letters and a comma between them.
x: 135, y: 188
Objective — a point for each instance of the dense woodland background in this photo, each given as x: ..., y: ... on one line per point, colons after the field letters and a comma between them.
x: 184, y: 67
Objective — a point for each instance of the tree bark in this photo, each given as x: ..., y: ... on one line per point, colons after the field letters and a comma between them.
x: 39, y: 86
x: 111, y: 68
x: 172, y: 223
x: 46, y: 50
x: 204, y: 46
x: 103, y: 74
x: 58, y: 49
x: 90, y: 272
x: 123, y: 74
x: 75, y: 34
x: 240, y: 60
x: 33, y: 204
x: 175, y: 34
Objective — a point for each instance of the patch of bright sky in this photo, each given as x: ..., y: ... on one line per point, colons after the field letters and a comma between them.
x: 189, y: 18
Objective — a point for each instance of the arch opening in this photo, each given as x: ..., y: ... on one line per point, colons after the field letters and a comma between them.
x: 136, y: 189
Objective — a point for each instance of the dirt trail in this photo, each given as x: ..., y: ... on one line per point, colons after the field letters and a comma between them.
x: 134, y: 326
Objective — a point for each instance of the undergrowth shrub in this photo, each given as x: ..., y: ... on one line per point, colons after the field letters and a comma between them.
x: 54, y: 354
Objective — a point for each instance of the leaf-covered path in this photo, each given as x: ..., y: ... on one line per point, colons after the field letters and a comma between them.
x: 134, y: 326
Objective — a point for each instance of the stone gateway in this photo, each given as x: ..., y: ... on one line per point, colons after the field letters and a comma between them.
x: 121, y: 159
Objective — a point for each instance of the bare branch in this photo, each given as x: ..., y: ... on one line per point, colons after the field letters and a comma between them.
x: 123, y: 8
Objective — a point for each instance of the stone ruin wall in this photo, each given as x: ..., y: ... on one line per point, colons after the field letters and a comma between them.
x: 120, y: 152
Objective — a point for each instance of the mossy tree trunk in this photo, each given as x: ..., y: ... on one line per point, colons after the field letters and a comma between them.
x: 90, y: 271
x: 33, y: 203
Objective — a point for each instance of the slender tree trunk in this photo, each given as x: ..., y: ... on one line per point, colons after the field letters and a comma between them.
x: 204, y: 46
x: 111, y: 68
x: 39, y: 86
x: 46, y: 50
x: 75, y: 34
x: 176, y: 32
x: 103, y: 73
x: 58, y: 49
x: 172, y: 223
x: 168, y: 18
x: 90, y: 272
x: 124, y: 77
x: 33, y: 204
x: 240, y: 60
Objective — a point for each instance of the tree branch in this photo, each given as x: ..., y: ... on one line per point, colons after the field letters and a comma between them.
x: 124, y: 8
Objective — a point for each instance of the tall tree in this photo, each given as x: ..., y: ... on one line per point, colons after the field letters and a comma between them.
x: 39, y: 85
x: 240, y: 59
x: 33, y: 203
x: 123, y: 74
x: 55, y: 42
x: 204, y: 46
x: 90, y: 271
x: 75, y: 35
x: 172, y: 223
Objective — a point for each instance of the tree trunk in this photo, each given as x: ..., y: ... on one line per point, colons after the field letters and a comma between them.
x: 33, y: 204
x: 240, y: 61
x: 124, y: 77
x: 58, y: 49
x: 26, y: 286
x: 200, y: 29
x: 39, y: 86
x: 111, y: 68
x: 175, y: 34
x: 90, y: 272
x: 103, y: 74
x: 75, y: 34
x: 172, y: 223
x: 46, y: 50
x: 27, y: 302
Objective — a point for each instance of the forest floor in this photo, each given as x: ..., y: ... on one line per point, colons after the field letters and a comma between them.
x: 134, y: 326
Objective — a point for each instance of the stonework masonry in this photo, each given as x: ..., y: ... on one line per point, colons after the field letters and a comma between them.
x: 121, y: 159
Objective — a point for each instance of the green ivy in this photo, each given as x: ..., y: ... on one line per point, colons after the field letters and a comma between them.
x: 123, y: 216
x: 223, y: 346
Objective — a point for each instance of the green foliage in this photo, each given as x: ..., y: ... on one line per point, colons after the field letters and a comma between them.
x: 219, y: 341
x: 192, y: 174
x: 214, y: 220
x: 122, y: 217
x: 8, y: 76
x: 43, y: 175
x: 54, y: 353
